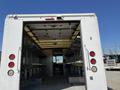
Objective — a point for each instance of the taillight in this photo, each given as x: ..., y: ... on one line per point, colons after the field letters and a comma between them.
x: 10, y: 72
x: 92, y: 53
x: 11, y: 56
x: 11, y: 64
x: 94, y: 68
x: 93, y: 61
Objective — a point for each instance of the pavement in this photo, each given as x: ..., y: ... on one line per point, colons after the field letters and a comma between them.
x: 113, y: 80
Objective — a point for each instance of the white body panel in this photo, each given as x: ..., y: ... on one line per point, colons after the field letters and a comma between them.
x: 12, y: 42
x: 90, y: 42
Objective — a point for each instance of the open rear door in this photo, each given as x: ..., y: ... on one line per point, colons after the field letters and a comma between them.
x: 11, y: 54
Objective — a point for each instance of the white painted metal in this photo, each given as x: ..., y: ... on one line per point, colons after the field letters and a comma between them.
x: 90, y: 42
x: 12, y: 42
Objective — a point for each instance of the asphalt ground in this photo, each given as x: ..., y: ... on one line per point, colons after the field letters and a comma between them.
x: 113, y: 79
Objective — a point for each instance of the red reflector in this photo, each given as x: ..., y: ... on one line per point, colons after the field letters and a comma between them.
x: 93, y: 61
x: 11, y: 64
x: 92, y: 53
x: 11, y: 56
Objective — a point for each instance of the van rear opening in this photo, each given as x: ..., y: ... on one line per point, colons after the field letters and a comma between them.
x: 52, y: 56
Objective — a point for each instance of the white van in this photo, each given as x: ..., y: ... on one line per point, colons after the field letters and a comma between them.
x: 52, y: 52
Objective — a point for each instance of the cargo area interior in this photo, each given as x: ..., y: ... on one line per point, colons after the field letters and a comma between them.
x: 52, y: 56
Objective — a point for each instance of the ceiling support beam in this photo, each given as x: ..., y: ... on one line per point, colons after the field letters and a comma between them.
x: 76, y: 32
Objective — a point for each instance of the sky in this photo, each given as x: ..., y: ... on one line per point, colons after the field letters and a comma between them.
x: 107, y: 11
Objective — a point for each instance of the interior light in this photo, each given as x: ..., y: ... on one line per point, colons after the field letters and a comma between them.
x: 78, y: 37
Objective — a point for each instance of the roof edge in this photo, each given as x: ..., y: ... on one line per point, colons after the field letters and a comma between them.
x: 51, y: 15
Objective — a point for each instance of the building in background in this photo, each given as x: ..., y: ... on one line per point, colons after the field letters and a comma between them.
x: 112, y: 56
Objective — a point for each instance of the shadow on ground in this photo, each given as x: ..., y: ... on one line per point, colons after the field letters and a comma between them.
x: 110, y: 88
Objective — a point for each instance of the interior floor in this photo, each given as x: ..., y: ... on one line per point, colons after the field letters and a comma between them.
x: 54, y: 83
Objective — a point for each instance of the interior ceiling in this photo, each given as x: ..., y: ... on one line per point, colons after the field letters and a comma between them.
x: 53, y: 34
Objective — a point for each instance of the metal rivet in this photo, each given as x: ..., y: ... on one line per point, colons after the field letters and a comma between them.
x: 90, y: 38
